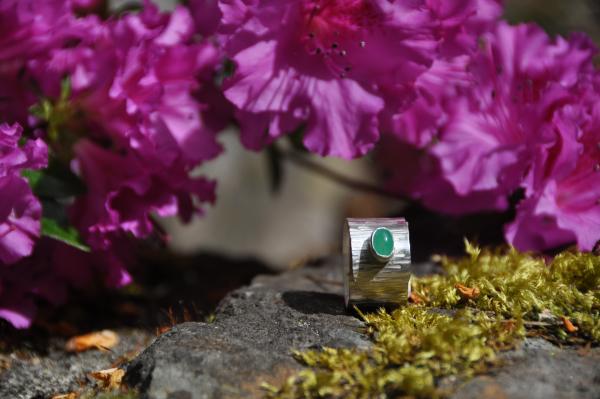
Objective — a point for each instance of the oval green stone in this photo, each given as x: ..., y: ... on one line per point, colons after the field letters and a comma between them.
x: 382, y: 243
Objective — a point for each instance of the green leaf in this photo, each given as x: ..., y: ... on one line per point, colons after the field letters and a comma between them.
x: 65, y: 89
x: 55, y: 225
x: 68, y: 235
x: 56, y: 182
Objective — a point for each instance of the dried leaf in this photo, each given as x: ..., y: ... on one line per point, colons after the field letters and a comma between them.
x: 510, y: 325
x: 467, y: 292
x: 5, y: 362
x: 102, y: 340
x: 416, y: 298
x: 569, y: 325
x: 71, y: 395
x: 109, y: 379
x: 162, y: 330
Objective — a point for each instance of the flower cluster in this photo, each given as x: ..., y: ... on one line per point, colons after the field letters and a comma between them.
x: 514, y: 119
x: 124, y: 107
x: 331, y: 69
x: 104, y: 117
x: 475, y: 114
x: 20, y: 210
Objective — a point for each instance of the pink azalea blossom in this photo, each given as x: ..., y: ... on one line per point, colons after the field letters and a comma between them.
x: 415, y: 173
x: 482, y: 117
x: 140, y: 118
x: 125, y: 190
x: 318, y: 66
x: 136, y: 86
x: 516, y: 114
x: 20, y: 211
x: 31, y: 279
x: 29, y: 28
x: 135, y: 80
x: 521, y: 77
x: 563, y: 203
x: 51, y: 271
x: 207, y: 16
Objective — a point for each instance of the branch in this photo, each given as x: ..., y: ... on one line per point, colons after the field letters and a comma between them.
x: 303, y: 161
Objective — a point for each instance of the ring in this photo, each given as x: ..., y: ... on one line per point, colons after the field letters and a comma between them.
x: 376, y: 262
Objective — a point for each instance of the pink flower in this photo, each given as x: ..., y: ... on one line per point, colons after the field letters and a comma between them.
x: 29, y: 28
x: 140, y: 117
x: 414, y: 173
x: 124, y: 190
x: 207, y: 15
x: 51, y: 271
x: 20, y: 214
x: 563, y: 203
x: 483, y: 117
x: 135, y: 81
x: 136, y: 84
x: 20, y: 211
x: 487, y: 141
x: 31, y: 279
x: 317, y: 65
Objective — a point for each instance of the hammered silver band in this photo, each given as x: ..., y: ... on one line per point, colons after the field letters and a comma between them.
x: 367, y: 280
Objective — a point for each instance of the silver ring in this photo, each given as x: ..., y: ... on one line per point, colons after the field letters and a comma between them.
x: 376, y: 261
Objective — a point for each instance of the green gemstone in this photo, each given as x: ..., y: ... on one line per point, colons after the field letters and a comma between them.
x: 382, y: 244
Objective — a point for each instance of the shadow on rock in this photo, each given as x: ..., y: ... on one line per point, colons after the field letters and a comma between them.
x: 309, y: 302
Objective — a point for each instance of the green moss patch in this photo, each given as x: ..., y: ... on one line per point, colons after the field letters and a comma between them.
x: 485, y: 303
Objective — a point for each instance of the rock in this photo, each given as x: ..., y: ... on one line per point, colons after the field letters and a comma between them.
x: 251, y: 339
x: 256, y: 328
x: 539, y: 370
x: 39, y: 375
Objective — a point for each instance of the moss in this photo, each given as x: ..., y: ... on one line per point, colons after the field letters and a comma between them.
x: 514, y: 284
x: 414, y: 347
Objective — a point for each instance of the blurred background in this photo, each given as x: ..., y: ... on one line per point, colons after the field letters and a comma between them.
x: 302, y: 218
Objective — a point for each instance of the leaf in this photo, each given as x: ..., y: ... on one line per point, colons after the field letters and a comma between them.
x: 109, y: 379
x: 65, y: 89
x: 55, y: 225
x: 161, y: 330
x: 102, y: 340
x: 569, y: 325
x: 68, y: 235
x: 70, y: 395
x: 416, y: 298
x: 56, y: 182
x: 467, y: 292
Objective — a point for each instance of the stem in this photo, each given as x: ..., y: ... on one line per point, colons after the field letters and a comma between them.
x: 339, y: 178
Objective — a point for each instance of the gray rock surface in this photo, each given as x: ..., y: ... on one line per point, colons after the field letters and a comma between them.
x: 257, y: 327
x: 250, y: 341
x: 539, y: 370
x: 33, y: 374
